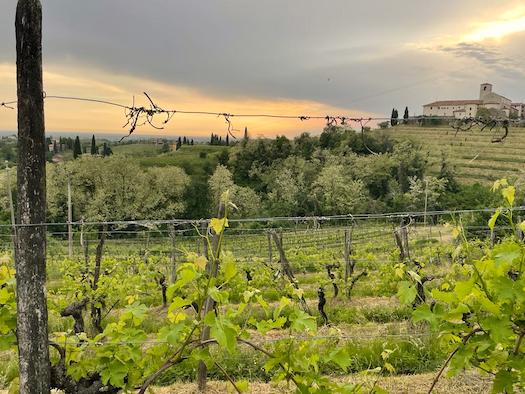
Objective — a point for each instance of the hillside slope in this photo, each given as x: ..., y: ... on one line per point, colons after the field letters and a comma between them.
x: 473, y: 155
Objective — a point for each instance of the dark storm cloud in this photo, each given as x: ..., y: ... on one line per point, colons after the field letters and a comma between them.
x: 339, y: 52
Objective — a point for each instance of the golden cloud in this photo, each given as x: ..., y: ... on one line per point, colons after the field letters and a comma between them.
x: 91, y: 117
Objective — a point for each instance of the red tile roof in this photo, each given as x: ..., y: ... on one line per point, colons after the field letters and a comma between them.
x: 453, y: 102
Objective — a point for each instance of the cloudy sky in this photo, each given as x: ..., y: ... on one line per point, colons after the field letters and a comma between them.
x: 244, y: 56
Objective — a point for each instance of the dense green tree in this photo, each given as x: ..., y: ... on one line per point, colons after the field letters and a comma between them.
x: 446, y: 172
x: 94, y: 150
x: 410, y: 163
x: 165, y: 147
x: 280, y: 148
x: 428, y: 189
x: 245, y: 199
x: 337, y: 193
x: 305, y: 145
x: 223, y: 157
x: 406, y: 116
x: 115, y: 188
x: 394, y: 117
x: 77, y: 148
x: 106, y: 150
x: 331, y: 137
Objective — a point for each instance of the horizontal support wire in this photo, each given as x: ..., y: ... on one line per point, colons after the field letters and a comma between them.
x: 302, y: 219
x: 269, y: 340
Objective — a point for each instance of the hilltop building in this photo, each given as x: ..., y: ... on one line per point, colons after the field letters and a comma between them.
x: 460, y: 109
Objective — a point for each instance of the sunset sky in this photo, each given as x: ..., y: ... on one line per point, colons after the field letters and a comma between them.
x: 286, y: 57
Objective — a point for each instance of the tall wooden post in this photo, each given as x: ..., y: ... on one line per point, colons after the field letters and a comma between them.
x: 270, y: 247
x: 212, y: 269
x: 69, y: 220
x: 173, y: 255
x: 11, y: 204
x: 30, y: 254
x: 349, y: 266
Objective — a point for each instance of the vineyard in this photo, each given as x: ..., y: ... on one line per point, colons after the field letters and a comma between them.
x: 295, y: 280
x: 330, y: 304
x: 474, y: 159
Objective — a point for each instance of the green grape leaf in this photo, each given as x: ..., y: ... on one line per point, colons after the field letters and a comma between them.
x: 503, y: 382
x: 302, y: 322
x: 341, y: 357
x: 509, y: 194
x: 406, y: 292
x: 218, y: 225
x: 494, y: 217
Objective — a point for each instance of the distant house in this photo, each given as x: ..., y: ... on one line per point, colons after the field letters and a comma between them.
x: 460, y: 109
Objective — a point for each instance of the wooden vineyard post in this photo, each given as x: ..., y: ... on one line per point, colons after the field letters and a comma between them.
x: 96, y: 312
x: 30, y: 251
x: 286, y: 267
x: 69, y: 220
x: 11, y: 205
x: 401, y: 237
x: 212, y: 269
x: 349, y: 265
x: 173, y: 255
x: 84, y: 244
x: 270, y: 246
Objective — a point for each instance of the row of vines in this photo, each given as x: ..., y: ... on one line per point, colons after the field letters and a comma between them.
x: 127, y: 314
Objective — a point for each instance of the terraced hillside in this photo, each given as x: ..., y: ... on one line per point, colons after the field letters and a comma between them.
x: 474, y: 156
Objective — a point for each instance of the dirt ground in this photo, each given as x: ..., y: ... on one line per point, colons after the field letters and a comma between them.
x: 407, y: 384
x: 466, y: 383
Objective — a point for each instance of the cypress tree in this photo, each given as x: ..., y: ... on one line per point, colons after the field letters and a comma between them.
x: 77, y: 149
x: 227, y: 140
x: 246, y: 133
x: 406, y: 116
x: 392, y: 117
x: 94, y: 149
x: 191, y: 143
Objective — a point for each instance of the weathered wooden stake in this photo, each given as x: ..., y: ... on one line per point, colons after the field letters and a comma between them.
x: 173, y: 255
x: 349, y: 264
x: 84, y: 243
x: 270, y: 251
x: 69, y: 219
x: 11, y: 204
x: 401, y: 237
x: 212, y: 269
x: 286, y: 267
x: 30, y: 251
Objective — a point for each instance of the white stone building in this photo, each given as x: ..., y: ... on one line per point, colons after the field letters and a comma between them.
x: 469, y: 108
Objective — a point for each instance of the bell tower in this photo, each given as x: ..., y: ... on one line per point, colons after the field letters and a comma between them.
x: 484, y: 90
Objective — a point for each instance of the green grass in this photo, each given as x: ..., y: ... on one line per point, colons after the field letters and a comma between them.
x: 139, y: 149
x: 196, y: 160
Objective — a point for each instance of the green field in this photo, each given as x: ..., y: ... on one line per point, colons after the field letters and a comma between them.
x: 197, y: 160
x: 474, y: 156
